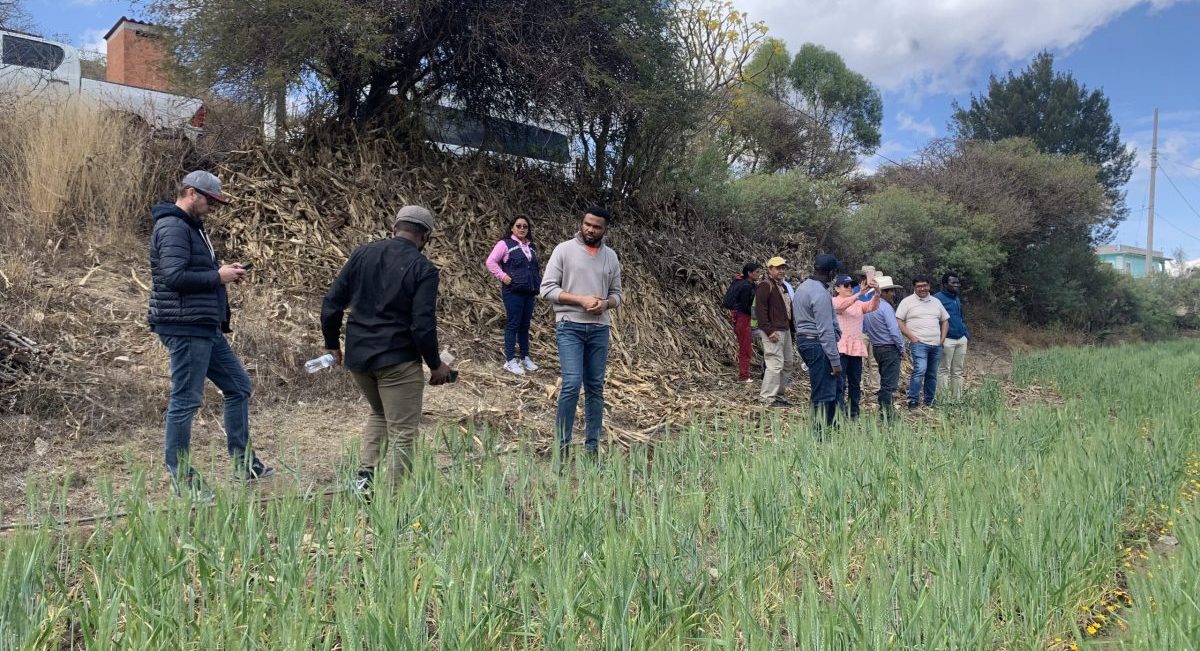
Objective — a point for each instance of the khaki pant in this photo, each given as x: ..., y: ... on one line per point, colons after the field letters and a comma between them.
x: 394, y: 394
x: 953, y: 366
x: 777, y: 357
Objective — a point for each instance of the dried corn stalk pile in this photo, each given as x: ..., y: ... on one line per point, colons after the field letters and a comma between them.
x: 20, y: 356
x: 299, y: 219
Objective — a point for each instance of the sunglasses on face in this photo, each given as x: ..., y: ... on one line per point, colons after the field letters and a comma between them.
x: 521, y: 226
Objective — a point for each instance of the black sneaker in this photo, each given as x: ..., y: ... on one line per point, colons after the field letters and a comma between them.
x: 912, y: 406
x: 192, y: 487
x: 779, y: 403
x: 256, y: 470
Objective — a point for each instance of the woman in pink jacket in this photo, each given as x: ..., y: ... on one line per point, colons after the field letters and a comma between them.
x: 850, y: 313
x: 514, y: 262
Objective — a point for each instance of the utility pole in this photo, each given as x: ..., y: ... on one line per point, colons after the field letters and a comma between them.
x: 1150, y: 217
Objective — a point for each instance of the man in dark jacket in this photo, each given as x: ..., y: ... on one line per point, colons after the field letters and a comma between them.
x: 773, y: 309
x: 189, y: 311
x: 741, y: 300
x: 391, y: 289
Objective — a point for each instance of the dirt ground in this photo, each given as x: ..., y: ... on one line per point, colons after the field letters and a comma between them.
x: 311, y: 442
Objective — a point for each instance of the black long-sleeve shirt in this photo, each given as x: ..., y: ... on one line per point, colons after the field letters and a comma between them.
x: 391, y: 289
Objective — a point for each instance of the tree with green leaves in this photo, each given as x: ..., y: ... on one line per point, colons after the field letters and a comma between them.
x: 911, y: 231
x: 1038, y: 208
x: 365, y: 60
x: 1061, y: 116
x: 613, y: 74
x: 619, y: 82
x: 809, y: 112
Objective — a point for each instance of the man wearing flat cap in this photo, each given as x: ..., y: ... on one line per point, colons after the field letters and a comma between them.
x: 189, y: 311
x: 391, y: 289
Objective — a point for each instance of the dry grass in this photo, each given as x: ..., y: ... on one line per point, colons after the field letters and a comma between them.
x: 74, y: 171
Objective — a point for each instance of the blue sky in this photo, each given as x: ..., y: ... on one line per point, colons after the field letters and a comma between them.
x: 924, y: 55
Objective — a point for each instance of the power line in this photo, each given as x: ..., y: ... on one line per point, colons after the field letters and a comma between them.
x: 1177, y: 191
x: 1193, y: 167
x: 1177, y: 228
x: 1186, y: 176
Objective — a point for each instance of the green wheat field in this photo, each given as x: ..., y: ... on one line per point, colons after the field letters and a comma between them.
x: 990, y: 526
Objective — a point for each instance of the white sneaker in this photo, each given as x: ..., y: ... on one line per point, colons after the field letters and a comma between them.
x: 529, y: 365
x: 514, y: 366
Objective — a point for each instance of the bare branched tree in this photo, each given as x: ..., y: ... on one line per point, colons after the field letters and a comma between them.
x: 13, y: 15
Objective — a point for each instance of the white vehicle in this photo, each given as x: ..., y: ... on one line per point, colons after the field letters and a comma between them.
x: 49, y: 70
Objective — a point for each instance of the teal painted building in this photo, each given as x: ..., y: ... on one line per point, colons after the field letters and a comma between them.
x: 1131, y: 259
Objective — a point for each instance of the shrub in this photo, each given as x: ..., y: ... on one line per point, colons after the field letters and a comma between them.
x: 905, y: 232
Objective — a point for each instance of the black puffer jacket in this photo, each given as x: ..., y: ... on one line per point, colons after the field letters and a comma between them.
x: 188, y: 297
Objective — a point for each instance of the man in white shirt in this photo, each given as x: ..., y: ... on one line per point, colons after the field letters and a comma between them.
x: 923, y: 322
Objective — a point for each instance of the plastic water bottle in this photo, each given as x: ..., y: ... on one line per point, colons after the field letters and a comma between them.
x: 314, y: 365
x: 448, y: 358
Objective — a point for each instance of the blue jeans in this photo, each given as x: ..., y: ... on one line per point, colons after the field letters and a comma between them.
x: 192, y: 360
x: 850, y: 382
x: 583, y: 357
x: 887, y: 357
x: 518, y: 310
x: 924, y: 371
x: 823, y: 385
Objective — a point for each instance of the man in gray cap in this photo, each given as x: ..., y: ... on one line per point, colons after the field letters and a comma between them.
x: 189, y: 311
x: 817, y: 335
x: 391, y: 289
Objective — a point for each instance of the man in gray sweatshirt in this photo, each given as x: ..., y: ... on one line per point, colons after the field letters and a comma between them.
x: 583, y: 281
x: 817, y: 335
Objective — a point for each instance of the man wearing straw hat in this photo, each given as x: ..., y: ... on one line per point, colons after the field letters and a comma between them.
x: 391, y: 289
x: 887, y: 344
x: 773, y: 309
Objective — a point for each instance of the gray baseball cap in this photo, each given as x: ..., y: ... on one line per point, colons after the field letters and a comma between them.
x: 416, y: 215
x: 205, y: 183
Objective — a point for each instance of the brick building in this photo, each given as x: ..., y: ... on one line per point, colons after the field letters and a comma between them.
x: 136, y: 55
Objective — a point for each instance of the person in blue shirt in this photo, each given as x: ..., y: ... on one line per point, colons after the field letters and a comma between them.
x: 954, y: 351
x: 887, y: 345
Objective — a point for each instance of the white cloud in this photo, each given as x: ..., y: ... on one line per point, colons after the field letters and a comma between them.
x: 906, y: 122
x: 936, y: 46
x: 1178, y: 145
x: 92, y: 40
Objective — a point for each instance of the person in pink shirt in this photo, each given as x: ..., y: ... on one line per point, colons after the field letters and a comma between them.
x: 514, y: 262
x: 853, y: 349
